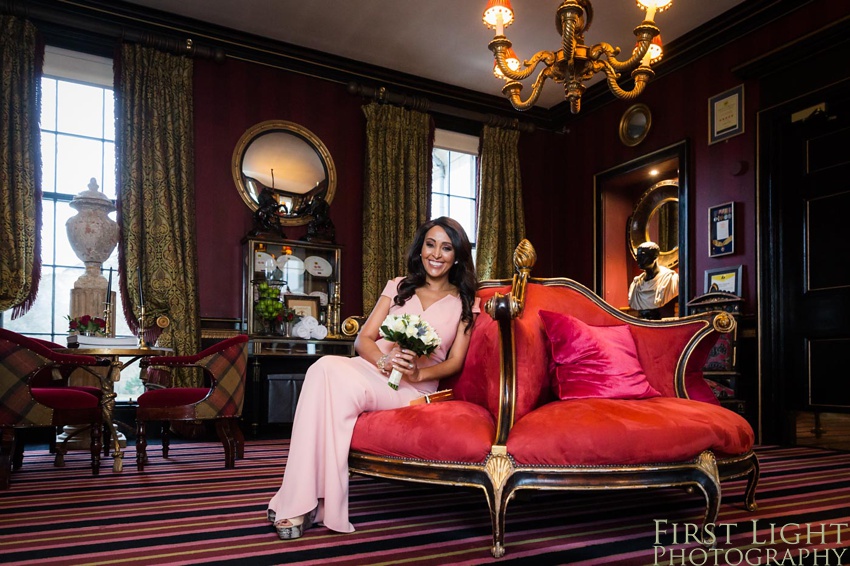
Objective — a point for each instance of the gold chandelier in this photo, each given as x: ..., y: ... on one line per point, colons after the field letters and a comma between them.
x: 575, y: 63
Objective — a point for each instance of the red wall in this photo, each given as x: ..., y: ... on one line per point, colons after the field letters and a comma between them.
x: 232, y: 96
x: 679, y: 105
x: 557, y: 168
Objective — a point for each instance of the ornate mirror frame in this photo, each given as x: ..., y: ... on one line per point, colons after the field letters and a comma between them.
x: 649, y: 205
x: 618, y: 196
x: 635, y: 124
x: 305, y: 167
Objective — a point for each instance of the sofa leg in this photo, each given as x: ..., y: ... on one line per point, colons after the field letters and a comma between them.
x: 752, y: 484
x: 709, y: 481
x: 497, y: 520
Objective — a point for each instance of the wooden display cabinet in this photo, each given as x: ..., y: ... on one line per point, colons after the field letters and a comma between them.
x: 304, y: 275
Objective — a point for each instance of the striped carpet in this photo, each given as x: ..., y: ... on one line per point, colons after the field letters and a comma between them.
x: 190, y: 510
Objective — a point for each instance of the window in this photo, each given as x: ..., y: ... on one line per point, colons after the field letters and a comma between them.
x: 77, y: 144
x: 453, y: 180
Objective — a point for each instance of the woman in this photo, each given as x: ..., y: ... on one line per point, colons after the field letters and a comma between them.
x: 440, y: 285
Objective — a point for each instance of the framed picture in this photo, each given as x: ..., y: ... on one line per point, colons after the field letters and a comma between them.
x: 726, y: 114
x: 724, y: 279
x: 303, y: 305
x: 721, y: 229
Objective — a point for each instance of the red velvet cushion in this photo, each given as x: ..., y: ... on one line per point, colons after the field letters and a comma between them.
x: 450, y: 431
x: 478, y: 381
x: 64, y: 398
x: 173, y: 397
x: 91, y: 390
x: 615, y: 431
x: 594, y: 361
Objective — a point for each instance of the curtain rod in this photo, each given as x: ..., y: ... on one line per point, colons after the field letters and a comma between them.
x: 422, y: 104
x: 170, y: 44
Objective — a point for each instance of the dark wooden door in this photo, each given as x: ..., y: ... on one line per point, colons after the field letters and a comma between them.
x: 810, y: 186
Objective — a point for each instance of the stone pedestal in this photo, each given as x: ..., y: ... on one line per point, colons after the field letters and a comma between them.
x: 93, y: 236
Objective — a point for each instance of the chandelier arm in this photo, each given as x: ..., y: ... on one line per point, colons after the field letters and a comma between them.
x: 513, y: 89
x: 641, y: 75
x: 610, y: 53
x: 546, y: 57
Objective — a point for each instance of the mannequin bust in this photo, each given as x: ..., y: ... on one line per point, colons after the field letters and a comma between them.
x: 651, y: 292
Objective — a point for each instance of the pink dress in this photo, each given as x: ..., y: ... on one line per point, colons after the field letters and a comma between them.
x: 336, y: 390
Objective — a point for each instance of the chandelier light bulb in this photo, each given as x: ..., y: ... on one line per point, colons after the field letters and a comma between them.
x: 512, y: 61
x: 498, y: 15
x: 653, y: 6
x: 656, y: 51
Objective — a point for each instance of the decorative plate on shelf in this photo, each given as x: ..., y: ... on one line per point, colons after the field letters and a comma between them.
x: 318, y: 266
x: 260, y: 259
x: 323, y: 297
x: 283, y: 259
x: 290, y: 264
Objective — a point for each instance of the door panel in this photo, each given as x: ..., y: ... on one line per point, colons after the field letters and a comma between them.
x: 816, y: 211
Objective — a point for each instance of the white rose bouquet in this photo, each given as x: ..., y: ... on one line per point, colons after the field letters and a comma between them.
x: 411, y: 332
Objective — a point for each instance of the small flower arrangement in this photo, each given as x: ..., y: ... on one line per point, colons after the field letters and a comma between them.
x: 286, y: 315
x: 86, y: 325
x: 411, y: 332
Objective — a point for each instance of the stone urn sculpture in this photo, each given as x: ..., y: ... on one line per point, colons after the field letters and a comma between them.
x: 93, y: 235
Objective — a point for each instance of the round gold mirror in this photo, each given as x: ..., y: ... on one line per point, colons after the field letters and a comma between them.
x: 656, y: 219
x: 290, y: 161
x: 635, y: 124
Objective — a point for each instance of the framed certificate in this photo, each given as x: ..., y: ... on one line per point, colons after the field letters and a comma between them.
x: 726, y: 279
x: 726, y: 114
x: 721, y: 229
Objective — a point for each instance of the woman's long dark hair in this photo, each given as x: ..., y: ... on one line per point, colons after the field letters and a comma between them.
x: 462, y: 274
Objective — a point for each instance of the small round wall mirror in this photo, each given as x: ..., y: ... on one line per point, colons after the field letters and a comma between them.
x: 291, y: 162
x: 656, y: 219
x: 635, y: 124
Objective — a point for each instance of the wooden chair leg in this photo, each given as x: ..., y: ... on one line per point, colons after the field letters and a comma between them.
x: 107, y: 439
x: 225, y: 434
x: 166, y: 438
x: 18, y: 452
x: 240, y: 439
x: 141, y: 446
x: 96, y: 435
x: 7, y: 447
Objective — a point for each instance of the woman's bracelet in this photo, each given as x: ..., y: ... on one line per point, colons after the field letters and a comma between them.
x: 381, y: 363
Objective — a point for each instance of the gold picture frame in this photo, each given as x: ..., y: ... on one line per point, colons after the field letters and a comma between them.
x: 721, y: 229
x: 303, y: 305
x: 726, y: 279
x: 726, y: 114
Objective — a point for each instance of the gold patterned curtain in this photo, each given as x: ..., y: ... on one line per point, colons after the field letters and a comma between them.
x: 21, y: 55
x: 396, y: 195
x: 501, y: 221
x: 156, y: 198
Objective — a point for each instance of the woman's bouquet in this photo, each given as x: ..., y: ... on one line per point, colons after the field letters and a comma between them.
x: 411, y: 332
x: 87, y: 325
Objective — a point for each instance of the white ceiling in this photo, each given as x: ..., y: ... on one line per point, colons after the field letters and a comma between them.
x: 441, y: 40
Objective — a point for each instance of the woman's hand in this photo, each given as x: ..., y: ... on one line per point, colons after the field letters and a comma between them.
x: 405, y: 361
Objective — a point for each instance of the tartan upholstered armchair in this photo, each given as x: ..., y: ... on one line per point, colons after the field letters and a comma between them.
x: 30, y: 398
x: 225, y: 364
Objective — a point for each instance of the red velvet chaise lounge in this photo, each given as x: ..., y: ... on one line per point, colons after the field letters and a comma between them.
x: 562, y: 391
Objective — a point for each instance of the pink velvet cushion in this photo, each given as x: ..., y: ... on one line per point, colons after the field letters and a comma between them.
x: 173, y: 397
x: 64, y: 398
x: 450, y: 431
x: 594, y: 361
x: 615, y: 431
